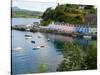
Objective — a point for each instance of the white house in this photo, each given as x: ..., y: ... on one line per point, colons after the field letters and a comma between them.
x: 92, y: 30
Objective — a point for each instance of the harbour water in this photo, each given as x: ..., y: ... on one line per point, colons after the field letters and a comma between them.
x: 28, y: 60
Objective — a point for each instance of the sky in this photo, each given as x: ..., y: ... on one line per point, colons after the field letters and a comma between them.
x: 34, y: 5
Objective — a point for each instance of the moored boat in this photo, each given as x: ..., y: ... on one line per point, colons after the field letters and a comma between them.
x: 32, y: 41
x: 87, y: 37
x: 42, y: 46
x: 36, y: 48
x: 27, y: 35
x: 18, y: 48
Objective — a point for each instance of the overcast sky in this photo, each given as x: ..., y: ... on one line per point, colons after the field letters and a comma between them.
x: 34, y: 5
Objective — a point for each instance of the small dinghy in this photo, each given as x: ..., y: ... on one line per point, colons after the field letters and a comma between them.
x: 18, y: 49
x: 32, y: 41
x: 42, y: 46
x: 27, y: 35
x: 87, y: 37
x: 36, y: 48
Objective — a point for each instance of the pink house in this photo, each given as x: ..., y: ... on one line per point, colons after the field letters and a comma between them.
x: 63, y: 28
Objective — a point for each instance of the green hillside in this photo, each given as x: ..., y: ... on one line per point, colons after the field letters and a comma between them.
x: 67, y: 13
x: 17, y: 13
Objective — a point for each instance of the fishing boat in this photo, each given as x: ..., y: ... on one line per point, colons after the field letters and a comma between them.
x: 36, y: 48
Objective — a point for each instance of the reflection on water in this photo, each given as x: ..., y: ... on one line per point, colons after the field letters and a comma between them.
x: 59, y: 38
x: 29, y: 60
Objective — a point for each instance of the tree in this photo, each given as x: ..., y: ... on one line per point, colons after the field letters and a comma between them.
x: 89, y: 7
x: 76, y: 59
x: 67, y: 13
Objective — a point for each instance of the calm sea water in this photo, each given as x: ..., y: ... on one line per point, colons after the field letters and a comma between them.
x: 28, y: 60
x: 24, y: 21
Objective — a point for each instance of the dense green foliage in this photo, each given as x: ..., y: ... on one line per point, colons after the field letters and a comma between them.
x: 75, y: 58
x: 67, y: 13
x: 25, y: 13
x: 41, y: 68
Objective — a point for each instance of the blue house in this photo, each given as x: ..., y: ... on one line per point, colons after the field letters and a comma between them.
x: 77, y: 29
x: 81, y: 29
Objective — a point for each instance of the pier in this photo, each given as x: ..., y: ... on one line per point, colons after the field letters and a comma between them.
x: 66, y: 29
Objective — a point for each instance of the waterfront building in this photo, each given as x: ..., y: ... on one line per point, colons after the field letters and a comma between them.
x: 92, y: 30
x: 81, y: 29
x: 77, y: 28
x: 51, y: 27
x: 69, y: 28
x: 62, y: 28
x: 90, y: 19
